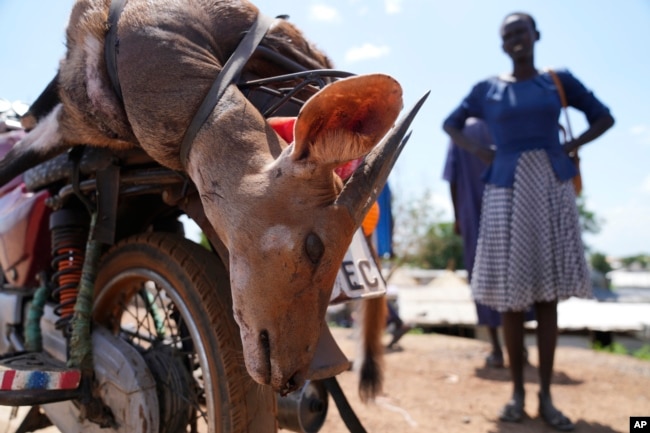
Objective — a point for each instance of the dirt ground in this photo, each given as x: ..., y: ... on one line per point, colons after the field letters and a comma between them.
x: 438, y: 383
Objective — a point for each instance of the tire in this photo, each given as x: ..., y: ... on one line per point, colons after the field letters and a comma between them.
x: 170, y: 298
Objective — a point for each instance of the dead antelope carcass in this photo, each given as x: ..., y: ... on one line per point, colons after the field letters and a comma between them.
x: 280, y: 211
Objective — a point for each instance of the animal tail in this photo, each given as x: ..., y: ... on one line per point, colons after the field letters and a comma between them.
x: 39, y: 145
x: 374, y: 312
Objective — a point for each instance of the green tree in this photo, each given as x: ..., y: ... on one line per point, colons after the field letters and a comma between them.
x: 642, y: 260
x: 421, y: 239
x: 599, y: 262
x: 442, y: 248
x: 204, y: 242
x: 412, y: 219
x: 589, y: 221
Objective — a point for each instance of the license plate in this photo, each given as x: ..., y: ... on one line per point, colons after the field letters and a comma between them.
x: 359, y: 275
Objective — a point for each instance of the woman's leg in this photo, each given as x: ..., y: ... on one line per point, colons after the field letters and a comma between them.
x: 546, y: 343
x: 513, y: 333
x: 494, y: 340
x: 491, y: 319
x: 495, y: 358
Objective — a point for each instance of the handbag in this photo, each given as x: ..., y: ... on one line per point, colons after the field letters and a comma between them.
x: 577, y: 180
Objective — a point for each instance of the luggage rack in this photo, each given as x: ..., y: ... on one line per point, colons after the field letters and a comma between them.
x: 293, y: 88
x: 33, y: 378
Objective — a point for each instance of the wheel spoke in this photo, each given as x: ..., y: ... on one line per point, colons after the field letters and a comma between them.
x: 149, y: 319
x: 170, y: 299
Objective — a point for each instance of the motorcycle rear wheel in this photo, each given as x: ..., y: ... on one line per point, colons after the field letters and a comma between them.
x: 170, y: 298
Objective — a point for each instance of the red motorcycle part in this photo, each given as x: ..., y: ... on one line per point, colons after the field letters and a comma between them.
x: 24, y: 235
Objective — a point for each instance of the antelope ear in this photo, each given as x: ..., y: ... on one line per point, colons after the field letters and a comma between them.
x: 346, y: 119
x: 283, y: 126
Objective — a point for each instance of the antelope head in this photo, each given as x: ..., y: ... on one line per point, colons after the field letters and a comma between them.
x: 294, y: 219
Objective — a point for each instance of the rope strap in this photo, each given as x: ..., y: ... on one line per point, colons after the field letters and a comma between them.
x: 111, y: 45
x: 229, y: 74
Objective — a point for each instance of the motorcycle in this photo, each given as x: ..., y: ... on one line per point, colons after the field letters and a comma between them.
x: 110, y: 318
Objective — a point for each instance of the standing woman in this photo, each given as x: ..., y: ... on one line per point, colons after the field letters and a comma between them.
x: 530, y: 251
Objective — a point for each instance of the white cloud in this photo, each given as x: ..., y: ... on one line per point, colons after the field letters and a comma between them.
x: 366, y: 51
x: 638, y: 129
x: 322, y: 12
x: 393, y: 6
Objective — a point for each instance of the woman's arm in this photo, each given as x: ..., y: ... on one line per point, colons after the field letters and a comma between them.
x: 595, y: 130
x: 464, y: 142
x: 597, y: 114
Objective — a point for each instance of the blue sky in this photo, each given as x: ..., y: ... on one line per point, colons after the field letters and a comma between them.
x: 445, y: 47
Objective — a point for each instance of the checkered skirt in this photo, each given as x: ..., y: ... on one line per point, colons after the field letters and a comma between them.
x: 529, y: 248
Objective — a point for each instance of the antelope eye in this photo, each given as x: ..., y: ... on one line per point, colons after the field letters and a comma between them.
x: 314, y: 248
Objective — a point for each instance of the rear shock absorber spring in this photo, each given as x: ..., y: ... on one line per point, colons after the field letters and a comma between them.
x: 69, y: 230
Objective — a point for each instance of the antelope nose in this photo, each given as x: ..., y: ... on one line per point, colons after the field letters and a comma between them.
x: 282, y: 383
x: 293, y: 383
x: 266, y: 349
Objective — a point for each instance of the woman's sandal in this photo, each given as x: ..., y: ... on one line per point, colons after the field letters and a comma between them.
x: 494, y: 360
x: 554, y: 418
x: 512, y: 412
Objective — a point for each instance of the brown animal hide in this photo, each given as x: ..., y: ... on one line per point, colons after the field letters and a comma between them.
x: 278, y: 208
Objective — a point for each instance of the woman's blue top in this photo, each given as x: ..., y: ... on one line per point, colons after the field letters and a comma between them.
x: 524, y: 116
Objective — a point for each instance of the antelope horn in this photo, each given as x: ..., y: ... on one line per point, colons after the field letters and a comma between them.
x: 365, y: 184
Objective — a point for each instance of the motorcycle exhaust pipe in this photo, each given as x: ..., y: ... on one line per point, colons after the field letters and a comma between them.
x: 303, y: 410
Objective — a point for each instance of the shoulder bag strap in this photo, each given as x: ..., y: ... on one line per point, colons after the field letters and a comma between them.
x: 560, y: 91
x: 577, y: 180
